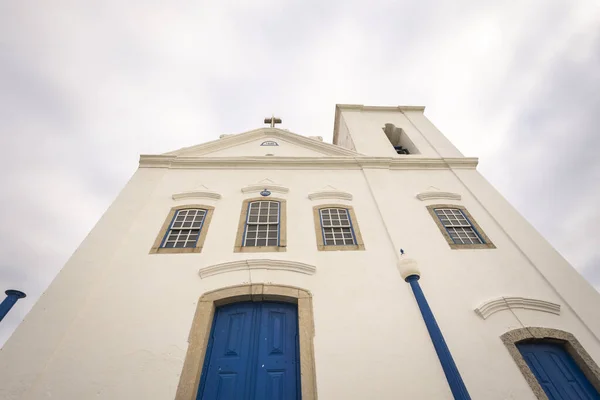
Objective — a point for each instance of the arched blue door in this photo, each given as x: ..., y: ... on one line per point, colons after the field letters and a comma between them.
x: 556, y: 371
x: 252, y: 353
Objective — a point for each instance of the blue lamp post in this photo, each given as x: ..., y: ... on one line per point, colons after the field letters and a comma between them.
x: 411, y: 274
x: 11, y: 298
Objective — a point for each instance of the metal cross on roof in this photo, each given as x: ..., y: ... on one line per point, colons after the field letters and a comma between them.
x: 272, y: 121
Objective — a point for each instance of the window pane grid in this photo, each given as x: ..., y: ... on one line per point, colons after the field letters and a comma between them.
x: 185, y: 228
x: 262, y: 224
x: 458, y: 226
x: 337, y: 228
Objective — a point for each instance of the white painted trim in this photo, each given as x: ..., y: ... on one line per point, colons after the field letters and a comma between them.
x: 269, y: 185
x: 242, y: 265
x: 198, y: 194
x: 418, y: 163
x: 438, y: 195
x: 379, y: 108
x: 330, y: 194
x: 506, y: 303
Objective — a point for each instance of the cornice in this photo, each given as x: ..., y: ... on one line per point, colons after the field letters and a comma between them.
x: 156, y: 160
x: 197, y: 194
x: 506, y: 303
x: 174, y: 162
x: 462, y: 162
x: 362, y: 107
x: 433, y: 195
x: 242, y: 265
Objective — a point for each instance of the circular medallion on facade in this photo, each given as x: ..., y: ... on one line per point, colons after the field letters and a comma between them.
x: 265, y: 193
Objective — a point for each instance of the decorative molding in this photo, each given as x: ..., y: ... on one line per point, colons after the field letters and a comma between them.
x: 379, y: 108
x: 265, y: 184
x: 438, y: 195
x: 304, y: 163
x: 200, y: 192
x: 241, y: 265
x: 197, y: 194
x: 506, y: 303
x: 329, y: 192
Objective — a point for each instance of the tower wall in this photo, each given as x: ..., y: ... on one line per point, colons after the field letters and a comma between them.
x: 364, y: 127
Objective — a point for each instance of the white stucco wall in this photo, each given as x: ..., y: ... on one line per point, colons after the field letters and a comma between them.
x: 115, y: 322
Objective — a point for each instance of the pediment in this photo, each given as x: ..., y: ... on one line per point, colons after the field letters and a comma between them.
x: 243, y: 265
x: 200, y: 192
x: 434, y: 193
x: 265, y: 184
x: 264, y: 142
x: 511, y: 302
x: 330, y: 193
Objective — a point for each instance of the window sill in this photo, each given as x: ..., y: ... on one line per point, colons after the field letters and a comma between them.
x: 359, y: 247
x: 455, y: 246
x: 175, y: 250
x: 259, y: 249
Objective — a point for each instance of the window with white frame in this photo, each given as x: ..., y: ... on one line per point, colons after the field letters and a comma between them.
x: 262, y: 224
x: 458, y: 226
x: 185, y: 228
x: 337, y: 227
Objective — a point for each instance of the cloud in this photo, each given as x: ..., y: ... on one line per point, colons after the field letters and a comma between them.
x: 550, y: 167
x: 80, y: 85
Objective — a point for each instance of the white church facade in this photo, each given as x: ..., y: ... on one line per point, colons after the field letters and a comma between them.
x: 269, y: 265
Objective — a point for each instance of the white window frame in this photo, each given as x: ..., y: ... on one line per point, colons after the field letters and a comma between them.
x: 342, y: 227
x: 177, y: 227
x: 271, y: 226
x: 460, y: 225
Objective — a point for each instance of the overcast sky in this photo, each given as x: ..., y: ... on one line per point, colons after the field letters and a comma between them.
x: 85, y: 87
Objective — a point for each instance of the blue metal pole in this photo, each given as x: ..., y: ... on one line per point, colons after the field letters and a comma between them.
x: 457, y: 386
x: 11, y: 298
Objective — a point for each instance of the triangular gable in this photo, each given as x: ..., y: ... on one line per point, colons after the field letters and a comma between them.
x: 269, y: 145
x: 217, y: 148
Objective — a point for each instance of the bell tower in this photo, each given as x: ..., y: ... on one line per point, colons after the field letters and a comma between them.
x: 390, y: 132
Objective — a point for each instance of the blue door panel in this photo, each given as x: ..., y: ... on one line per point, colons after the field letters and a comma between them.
x: 543, y: 379
x: 225, y: 374
x: 275, y: 386
x: 226, y: 386
x: 235, y: 345
x: 252, y: 353
x: 276, y: 378
x: 556, y: 371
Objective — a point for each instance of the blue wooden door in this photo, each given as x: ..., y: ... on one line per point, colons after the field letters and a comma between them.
x: 252, y: 353
x: 556, y: 372
x: 278, y: 363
